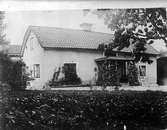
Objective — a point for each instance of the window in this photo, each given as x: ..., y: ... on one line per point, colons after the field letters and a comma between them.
x: 142, y: 70
x: 70, y: 74
x: 36, y: 71
x: 70, y: 67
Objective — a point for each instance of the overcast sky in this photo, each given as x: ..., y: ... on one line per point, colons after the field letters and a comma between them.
x: 18, y: 21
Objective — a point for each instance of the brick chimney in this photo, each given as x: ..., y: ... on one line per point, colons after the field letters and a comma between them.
x: 86, y: 26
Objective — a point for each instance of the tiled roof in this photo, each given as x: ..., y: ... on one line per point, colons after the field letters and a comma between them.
x: 120, y: 58
x: 14, y: 50
x: 149, y: 50
x: 52, y: 37
x: 164, y: 54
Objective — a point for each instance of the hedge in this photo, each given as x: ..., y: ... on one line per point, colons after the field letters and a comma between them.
x: 86, y: 110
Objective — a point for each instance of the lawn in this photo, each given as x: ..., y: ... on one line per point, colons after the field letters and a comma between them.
x: 84, y: 110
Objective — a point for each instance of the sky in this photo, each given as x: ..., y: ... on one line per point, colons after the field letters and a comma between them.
x: 18, y: 21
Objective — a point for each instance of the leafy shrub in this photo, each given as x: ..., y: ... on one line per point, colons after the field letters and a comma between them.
x: 108, y: 74
x: 133, y: 75
x: 13, y: 72
x: 86, y: 110
x: 69, y: 77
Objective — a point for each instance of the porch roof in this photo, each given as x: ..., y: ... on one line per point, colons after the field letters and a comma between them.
x: 115, y: 58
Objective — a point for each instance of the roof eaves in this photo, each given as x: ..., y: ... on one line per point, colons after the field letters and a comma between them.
x: 74, y: 48
x: 156, y: 52
x: 25, y: 40
x: 39, y: 39
x: 29, y: 30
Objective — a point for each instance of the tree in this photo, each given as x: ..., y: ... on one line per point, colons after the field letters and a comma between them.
x: 135, y: 28
x: 11, y: 72
x: 3, y: 57
x: 3, y: 41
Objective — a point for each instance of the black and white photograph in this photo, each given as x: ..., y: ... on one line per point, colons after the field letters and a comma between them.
x: 83, y: 69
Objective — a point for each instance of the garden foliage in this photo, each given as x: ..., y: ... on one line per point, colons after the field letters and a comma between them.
x: 85, y: 110
x: 65, y: 76
x: 134, y: 28
x: 71, y: 77
x: 133, y: 75
x: 108, y: 74
x: 13, y: 72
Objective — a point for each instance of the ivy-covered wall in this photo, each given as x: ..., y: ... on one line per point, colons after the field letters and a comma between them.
x: 110, y: 73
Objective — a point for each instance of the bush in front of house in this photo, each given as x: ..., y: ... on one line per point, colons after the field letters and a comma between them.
x: 13, y: 73
x: 70, y: 77
x: 65, y: 77
x: 133, y: 75
x: 108, y: 74
x: 76, y: 110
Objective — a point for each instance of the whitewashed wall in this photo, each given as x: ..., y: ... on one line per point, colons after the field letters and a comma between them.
x: 151, y: 73
x: 84, y: 59
x: 34, y: 56
x: 85, y: 62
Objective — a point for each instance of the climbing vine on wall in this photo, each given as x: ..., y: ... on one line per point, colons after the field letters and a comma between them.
x: 108, y: 74
x: 133, y: 74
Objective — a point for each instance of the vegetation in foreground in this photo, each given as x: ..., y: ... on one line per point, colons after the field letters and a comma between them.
x: 86, y: 110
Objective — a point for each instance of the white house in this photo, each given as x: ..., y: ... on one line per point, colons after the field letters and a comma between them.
x: 45, y: 49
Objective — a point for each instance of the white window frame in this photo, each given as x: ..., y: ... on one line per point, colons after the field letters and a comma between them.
x: 36, y: 70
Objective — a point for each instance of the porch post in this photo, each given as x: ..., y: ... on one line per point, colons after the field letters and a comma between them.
x: 126, y: 67
x: 116, y: 65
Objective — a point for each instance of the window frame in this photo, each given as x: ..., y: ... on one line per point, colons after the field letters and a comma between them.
x: 36, y: 70
x: 71, y: 63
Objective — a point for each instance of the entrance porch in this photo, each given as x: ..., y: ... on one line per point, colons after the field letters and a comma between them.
x: 118, y: 65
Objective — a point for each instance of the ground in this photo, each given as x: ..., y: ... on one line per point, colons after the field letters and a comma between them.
x: 133, y: 88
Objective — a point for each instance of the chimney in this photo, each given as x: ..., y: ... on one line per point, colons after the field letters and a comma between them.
x: 86, y: 26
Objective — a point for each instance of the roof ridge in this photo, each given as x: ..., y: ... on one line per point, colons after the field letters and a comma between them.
x: 32, y: 26
x: 69, y: 38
